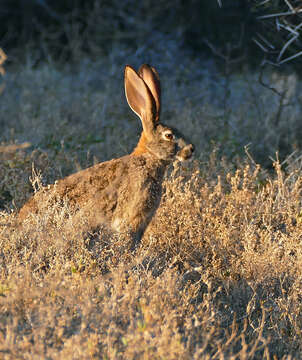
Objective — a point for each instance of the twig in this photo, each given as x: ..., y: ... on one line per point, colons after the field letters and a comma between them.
x: 290, y: 5
x: 265, y: 41
x: 286, y: 24
x: 262, y: 17
x: 260, y: 79
x: 246, y: 150
x: 290, y: 58
x: 286, y: 46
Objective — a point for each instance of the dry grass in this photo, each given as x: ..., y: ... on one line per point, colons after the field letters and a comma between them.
x: 218, y: 272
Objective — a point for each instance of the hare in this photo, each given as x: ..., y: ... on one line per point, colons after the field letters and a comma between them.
x: 123, y: 194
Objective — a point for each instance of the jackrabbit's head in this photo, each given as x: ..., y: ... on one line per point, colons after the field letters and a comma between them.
x: 142, y: 90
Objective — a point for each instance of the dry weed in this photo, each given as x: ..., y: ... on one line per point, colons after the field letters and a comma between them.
x: 217, y: 275
x: 218, y: 272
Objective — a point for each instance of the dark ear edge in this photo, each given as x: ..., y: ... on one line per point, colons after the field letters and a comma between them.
x: 140, y: 99
x: 151, y: 78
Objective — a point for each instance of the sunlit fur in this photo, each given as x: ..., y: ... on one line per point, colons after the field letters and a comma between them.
x: 122, y: 194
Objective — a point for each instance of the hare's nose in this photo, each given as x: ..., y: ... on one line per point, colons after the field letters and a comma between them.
x: 192, y: 148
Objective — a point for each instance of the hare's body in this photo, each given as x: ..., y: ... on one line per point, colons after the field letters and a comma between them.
x: 115, y: 193
x: 123, y: 193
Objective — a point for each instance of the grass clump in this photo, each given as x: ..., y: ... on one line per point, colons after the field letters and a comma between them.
x: 217, y: 274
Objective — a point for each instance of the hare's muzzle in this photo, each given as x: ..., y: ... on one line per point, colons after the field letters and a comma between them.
x: 185, y: 153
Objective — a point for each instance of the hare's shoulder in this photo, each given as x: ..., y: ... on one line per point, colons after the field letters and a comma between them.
x: 103, y: 175
x: 100, y: 174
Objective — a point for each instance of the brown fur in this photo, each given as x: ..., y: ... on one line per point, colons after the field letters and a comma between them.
x: 122, y: 193
x: 141, y: 146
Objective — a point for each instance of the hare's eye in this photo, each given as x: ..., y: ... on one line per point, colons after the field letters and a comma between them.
x: 169, y: 136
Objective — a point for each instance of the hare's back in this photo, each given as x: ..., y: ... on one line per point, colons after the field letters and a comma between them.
x: 104, y: 190
x: 78, y: 188
x: 94, y: 181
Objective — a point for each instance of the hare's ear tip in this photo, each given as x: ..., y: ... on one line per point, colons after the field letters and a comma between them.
x: 129, y: 69
x: 144, y: 66
x: 148, y: 69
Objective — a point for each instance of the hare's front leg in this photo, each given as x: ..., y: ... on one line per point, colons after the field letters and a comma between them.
x: 132, y: 226
x: 139, y: 211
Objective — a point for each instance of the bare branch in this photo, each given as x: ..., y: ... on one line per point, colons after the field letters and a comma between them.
x: 290, y: 58
x: 260, y: 79
x: 282, y: 30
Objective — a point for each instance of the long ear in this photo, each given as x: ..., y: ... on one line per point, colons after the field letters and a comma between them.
x: 151, y: 78
x: 140, y: 99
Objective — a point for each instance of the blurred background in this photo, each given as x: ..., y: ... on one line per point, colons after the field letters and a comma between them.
x: 242, y: 30
x: 230, y: 74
